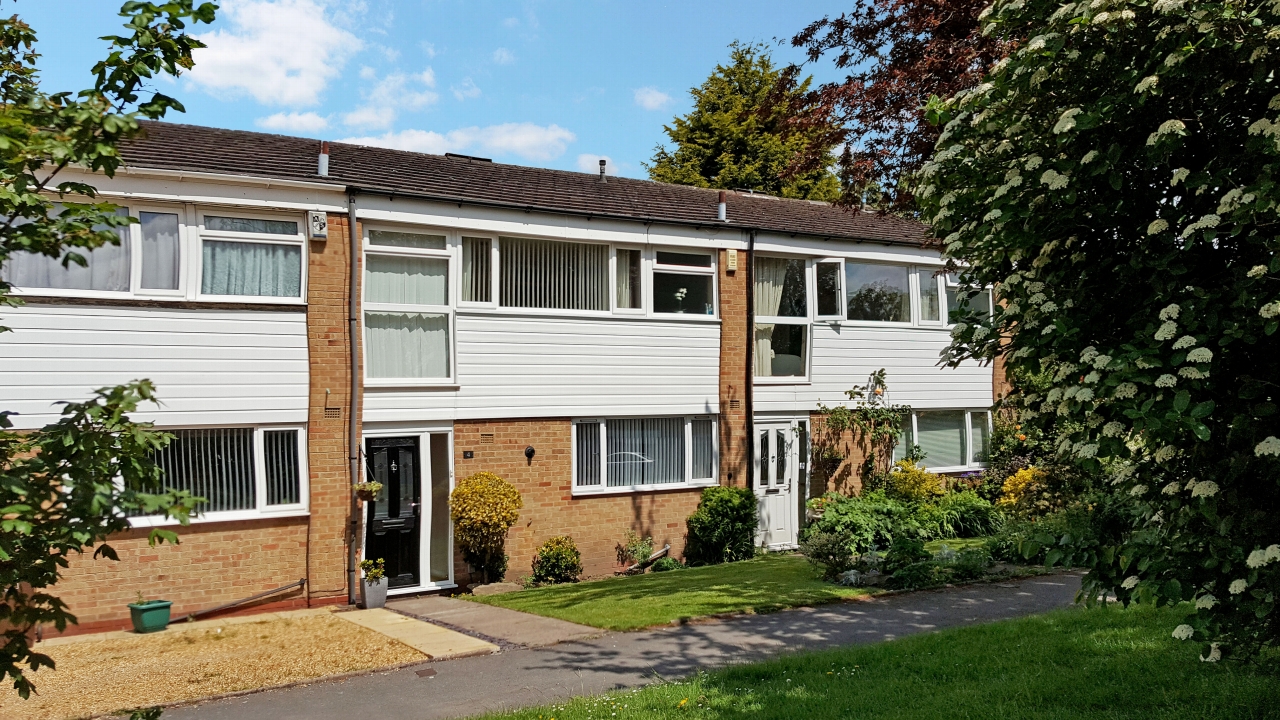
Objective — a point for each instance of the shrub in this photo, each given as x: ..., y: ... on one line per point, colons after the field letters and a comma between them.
x: 965, y: 514
x: 916, y: 575
x: 557, y: 561
x: 971, y: 564
x: 909, y: 483
x: 634, y: 549
x: 869, y: 520
x: 1021, y: 487
x: 828, y: 551
x: 484, y: 507
x: 903, y: 552
x: 723, y: 528
x: 664, y: 564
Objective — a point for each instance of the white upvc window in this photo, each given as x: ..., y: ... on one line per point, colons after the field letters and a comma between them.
x: 951, y: 440
x: 982, y: 301
x: 478, y: 274
x: 684, y: 282
x: 408, y: 316
x: 250, y: 257
x: 628, y: 280
x: 644, y: 453
x: 878, y: 292
x: 828, y: 289
x: 565, y: 276
x: 782, y: 333
x: 242, y: 472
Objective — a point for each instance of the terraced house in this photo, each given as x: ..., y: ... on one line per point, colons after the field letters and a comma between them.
x: 609, y: 346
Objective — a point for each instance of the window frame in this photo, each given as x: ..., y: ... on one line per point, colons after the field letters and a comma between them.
x: 262, y: 510
x: 451, y: 254
x: 646, y: 282
x: 840, y: 300
x: 917, y: 296
x: 912, y: 294
x: 650, y: 266
x: 970, y: 464
x: 202, y: 234
x: 493, y: 268
x: 947, y: 284
x: 810, y: 280
x: 605, y: 489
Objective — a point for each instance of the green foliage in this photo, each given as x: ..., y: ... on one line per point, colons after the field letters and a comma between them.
x: 961, y: 514
x: 374, y: 570
x: 828, y: 551
x: 151, y: 713
x: 874, y: 422
x: 665, y: 564
x: 484, y: 507
x: 634, y: 549
x: 735, y: 136
x: 904, y: 551
x: 557, y: 561
x: 870, y: 520
x: 917, y: 576
x: 1116, y: 178
x: 971, y: 564
x: 723, y: 528
x: 909, y: 483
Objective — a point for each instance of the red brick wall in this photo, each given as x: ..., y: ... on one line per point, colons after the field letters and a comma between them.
x: 734, y: 336
x: 597, y: 524
x: 844, y: 476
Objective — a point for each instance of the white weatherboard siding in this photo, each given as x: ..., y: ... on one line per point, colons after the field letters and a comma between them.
x: 515, y: 366
x: 210, y: 367
x: 845, y: 355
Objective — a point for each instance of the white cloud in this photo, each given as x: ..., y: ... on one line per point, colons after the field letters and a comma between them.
x: 428, y: 48
x: 525, y: 140
x: 293, y: 122
x: 281, y: 53
x: 467, y: 89
x: 503, y: 56
x: 589, y: 163
x: 651, y: 98
x: 389, y: 96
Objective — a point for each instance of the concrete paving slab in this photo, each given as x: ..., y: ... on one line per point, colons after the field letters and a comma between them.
x: 508, y: 626
x: 438, y: 643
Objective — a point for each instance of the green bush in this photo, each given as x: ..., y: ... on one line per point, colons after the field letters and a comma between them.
x: 964, y: 514
x: 828, y: 551
x: 1041, y: 541
x: 916, y: 575
x: 971, y: 564
x: 634, y: 549
x: 723, y: 528
x: 557, y: 561
x: 665, y: 564
x: 868, y: 520
x: 903, y: 552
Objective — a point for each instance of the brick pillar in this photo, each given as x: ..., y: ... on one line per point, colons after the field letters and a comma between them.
x: 734, y: 336
x: 328, y: 347
x: 1000, y: 386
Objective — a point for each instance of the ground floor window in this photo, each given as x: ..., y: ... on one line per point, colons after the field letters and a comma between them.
x: 240, y: 471
x: 619, y: 454
x: 949, y: 439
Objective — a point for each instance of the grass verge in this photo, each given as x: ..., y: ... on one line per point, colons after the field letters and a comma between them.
x: 764, y: 584
x: 1065, y: 665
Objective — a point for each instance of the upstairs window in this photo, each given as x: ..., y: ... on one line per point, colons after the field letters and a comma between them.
x: 408, y: 318
x: 957, y: 294
x: 782, y: 318
x: 879, y: 293
x: 683, y: 283
x: 829, y: 288
x: 628, y: 285
x: 553, y: 275
x: 254, y: 257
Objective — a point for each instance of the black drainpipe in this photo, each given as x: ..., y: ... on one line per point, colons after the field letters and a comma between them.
x: 751, y: 346
x: 353, y: 426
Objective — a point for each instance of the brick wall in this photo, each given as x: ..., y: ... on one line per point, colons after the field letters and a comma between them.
x: 734, y: 337
x: 597, y: 524
x: 843, y: 476
x: 327, y: 416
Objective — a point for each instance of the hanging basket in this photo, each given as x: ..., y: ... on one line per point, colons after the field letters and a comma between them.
x: 367, y: 491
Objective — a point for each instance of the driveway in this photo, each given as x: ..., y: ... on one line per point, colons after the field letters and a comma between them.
x: 533, y: 676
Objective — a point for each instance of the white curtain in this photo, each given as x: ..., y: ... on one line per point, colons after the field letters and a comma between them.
x: 628, y: 279
x: 548, y: 274
x: 259, y: 269
x: 107, y: 270
x: 160, y: 250
x: 476, y: 280
x: 400, y: 280
x: 406, y: 345
x: 646, y: 451
x: 771, y: 277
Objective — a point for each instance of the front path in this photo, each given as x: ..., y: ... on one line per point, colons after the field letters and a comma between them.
x: 530, y: 676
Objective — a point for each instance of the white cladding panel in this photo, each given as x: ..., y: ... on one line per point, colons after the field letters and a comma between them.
x: 514, y: 366
x: 845, y: 355
x: 210, y: 367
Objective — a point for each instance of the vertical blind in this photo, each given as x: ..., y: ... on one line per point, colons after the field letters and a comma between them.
x: 647, y: 451
x: 704, y: 449
x: 215, y: 464
x: 557, y: 275
x: 588, y: 454
x: 941, y: 437
x: 477, y: 279
x: 280, y: 455
x: 259, y: 269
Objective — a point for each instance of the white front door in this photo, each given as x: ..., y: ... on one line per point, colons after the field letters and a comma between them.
x: 777, y: 463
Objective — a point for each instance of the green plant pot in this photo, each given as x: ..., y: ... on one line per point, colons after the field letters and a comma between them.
x: 150, y: 616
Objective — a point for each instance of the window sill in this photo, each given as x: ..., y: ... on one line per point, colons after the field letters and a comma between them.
x: 154, y: 521
x: 410, y: 384
x: 580, y: 492
x: 252, y: 299
x: 538, y: 313
x: 955, y: 469
x: 783, y: 380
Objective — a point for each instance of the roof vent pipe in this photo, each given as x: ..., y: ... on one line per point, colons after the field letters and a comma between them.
x: 602, y: 162
x: 322, y: 166
x: 721, y: 213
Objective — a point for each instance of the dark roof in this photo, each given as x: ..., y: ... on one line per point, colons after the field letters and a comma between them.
x: 170, y: 146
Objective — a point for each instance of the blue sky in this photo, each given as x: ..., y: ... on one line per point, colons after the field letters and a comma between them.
x: 552, y: 84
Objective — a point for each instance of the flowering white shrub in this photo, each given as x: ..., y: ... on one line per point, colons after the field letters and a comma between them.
x: 1149, y: 139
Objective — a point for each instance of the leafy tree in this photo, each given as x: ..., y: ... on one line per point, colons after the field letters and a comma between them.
x: 898, y: 54
x: 1116, y: 178
x: 67, y: 487
x: 734, y: 136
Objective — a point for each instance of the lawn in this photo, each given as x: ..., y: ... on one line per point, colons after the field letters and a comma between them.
x: 771, y: 582
x: 956, y: 544
x: 1068, y: 664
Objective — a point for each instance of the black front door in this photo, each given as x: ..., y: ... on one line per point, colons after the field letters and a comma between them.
x: 393, y: 528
